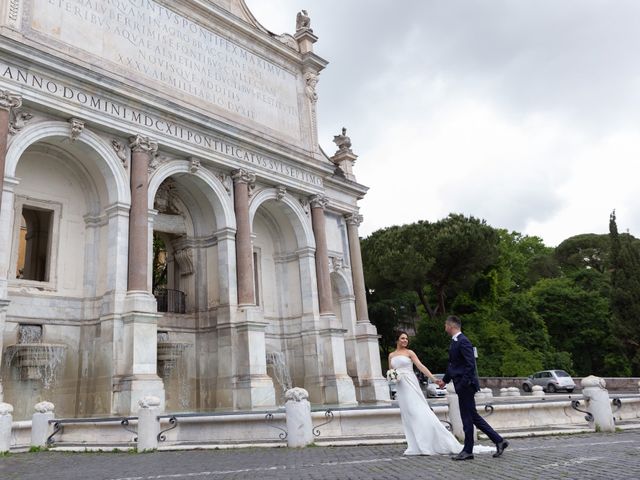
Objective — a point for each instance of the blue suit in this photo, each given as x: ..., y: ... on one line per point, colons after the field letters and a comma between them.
x: 462, y: 370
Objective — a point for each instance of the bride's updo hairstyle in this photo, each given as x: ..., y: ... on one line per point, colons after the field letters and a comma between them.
x: 399, y: 333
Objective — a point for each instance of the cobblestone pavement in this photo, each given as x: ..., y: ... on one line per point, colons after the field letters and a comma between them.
x: 586, y: 456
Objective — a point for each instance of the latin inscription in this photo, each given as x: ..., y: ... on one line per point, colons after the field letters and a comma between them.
x: 165, y: 128
x: 154, y: 42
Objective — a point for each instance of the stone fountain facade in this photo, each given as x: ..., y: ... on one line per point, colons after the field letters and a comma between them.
x: 184, y: 123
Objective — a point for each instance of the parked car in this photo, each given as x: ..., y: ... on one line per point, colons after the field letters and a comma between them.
x: 550, y: 380
x: 433, y: 390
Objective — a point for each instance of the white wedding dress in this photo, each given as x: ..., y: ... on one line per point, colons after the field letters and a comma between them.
x: 426, y: 435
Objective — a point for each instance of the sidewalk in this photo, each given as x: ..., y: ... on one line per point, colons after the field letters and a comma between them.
x: 581, y: 456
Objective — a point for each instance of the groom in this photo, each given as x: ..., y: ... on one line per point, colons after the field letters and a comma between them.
x: 462, y: 370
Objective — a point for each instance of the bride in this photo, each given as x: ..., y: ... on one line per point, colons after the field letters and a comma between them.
x: 424, y: 432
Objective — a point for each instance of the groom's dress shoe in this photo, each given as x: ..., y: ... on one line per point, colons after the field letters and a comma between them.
x: 500, y: 447
x: 463, y: 456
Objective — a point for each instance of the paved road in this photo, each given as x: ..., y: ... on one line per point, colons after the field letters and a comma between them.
x: 590, y: 456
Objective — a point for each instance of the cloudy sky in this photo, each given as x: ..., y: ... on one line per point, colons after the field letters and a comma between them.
x: 523, y: 112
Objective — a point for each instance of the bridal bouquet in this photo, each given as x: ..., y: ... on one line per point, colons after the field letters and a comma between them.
x: 392, y: 375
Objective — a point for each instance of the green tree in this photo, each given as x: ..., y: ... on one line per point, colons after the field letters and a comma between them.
x: 433, y: 260
x: 625, y: 301
x: 577, y: 321
x: 586, y: 251
x: 387, y: 313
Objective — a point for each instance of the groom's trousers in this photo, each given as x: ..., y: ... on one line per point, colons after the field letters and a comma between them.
x: 471, y: 417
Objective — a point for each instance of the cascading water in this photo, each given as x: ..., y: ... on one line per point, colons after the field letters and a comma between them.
x: 276, y: 363
x: 30, y: 369
x: 33, y: 359
x: 173, y: 371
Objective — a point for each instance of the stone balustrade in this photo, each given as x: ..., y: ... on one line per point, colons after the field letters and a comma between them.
x: 628, y: 384
x: 364, y: 424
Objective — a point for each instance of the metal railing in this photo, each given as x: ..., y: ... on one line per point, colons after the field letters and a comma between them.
x: 59, y: 423
x: 169, y: 300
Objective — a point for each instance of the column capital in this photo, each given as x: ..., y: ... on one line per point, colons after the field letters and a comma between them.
x: 354, y: 219
x: 9, y: 100
x: 243, y: 176
x: 138, y: 143
x: 318, y: 201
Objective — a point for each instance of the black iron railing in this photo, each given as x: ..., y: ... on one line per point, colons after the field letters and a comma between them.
x: 169, y: 300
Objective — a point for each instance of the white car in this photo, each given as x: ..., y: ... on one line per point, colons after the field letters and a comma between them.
x: 550, y: 380
x: 433, y: 390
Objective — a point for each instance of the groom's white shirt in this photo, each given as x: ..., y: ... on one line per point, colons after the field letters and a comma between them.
x: 455, y: 337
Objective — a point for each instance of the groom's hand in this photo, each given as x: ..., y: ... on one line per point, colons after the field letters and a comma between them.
x: 440, y: 383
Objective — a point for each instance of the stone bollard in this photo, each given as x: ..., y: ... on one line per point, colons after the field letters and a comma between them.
x: 513, y: 392
x: 40, y: 428
x: 484, y: 394
x: 454, y: 412
x: 298, y: 417
x: 537, y: 391
x: 599, y: 405
x: 148, y: 424
x: 5, y: 426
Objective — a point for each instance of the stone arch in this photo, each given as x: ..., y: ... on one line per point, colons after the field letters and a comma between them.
x: 113, y: 173
x: 295, y: 213
x: 223, y: 210
x: 341, y: 283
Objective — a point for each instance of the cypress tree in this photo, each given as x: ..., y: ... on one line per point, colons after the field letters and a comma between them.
x: 625, y: 299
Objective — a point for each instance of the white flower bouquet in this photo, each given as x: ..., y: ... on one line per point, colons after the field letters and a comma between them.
x: 392, y: 375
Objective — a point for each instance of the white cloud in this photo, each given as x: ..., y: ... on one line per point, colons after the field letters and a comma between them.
x: 522, y: 113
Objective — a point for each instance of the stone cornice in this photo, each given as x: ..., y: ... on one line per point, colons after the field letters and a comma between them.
x: 312, y: 62
x: 346, y: 186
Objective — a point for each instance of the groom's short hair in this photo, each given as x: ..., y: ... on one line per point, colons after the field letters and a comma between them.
x: 455, y: 321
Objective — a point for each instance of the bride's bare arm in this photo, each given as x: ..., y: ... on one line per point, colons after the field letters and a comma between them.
x: 416, y: 361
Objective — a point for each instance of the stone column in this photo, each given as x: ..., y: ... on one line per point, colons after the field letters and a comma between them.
x: 142, y: 149
x: 136, y: 333
x: 148, y: 424
x: 244, y: 252
x: 298, y: 418
x: 318, y: 204
x: 6, y: 420
x: 40, y: 427
x: 371, y: 386
x: 454, y: 412
x: 8, y: 101
x: 357, y: 273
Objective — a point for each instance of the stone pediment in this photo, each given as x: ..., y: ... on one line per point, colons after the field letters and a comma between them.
x: 239, y: 9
